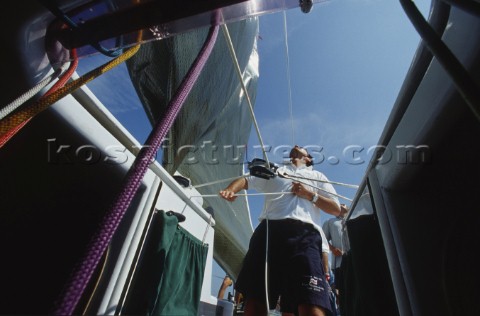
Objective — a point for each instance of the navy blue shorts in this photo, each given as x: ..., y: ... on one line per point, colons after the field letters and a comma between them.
x: 295, y: 270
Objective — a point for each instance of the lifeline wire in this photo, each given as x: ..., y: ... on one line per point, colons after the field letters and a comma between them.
x: 240, y: 77
x: 103, y: 236
x: 290, y: 106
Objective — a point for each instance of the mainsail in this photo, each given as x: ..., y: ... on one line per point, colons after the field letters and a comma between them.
x: 208, y: 140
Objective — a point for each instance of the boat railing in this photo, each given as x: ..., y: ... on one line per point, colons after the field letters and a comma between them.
x: 88, y: 100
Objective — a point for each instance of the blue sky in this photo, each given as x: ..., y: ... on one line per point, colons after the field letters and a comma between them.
x: 347, y: 61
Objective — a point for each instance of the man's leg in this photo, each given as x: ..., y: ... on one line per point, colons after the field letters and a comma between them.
x: 251, y: 280
x: 255, y: 307
x: 310, y: 288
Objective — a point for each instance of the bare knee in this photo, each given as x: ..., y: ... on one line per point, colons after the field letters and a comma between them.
x: 254, y: 307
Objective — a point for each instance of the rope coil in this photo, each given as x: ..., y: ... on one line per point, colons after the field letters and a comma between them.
x: 21, y: 116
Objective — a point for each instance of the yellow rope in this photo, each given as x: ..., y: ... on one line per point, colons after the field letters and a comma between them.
x: 19, y: 117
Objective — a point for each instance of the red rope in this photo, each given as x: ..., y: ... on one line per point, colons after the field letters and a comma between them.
x: 60, y: 83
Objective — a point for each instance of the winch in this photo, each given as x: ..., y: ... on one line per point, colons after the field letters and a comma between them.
x: 260, y: 168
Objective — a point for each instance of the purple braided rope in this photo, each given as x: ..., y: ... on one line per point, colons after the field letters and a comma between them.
x: 135, y: 174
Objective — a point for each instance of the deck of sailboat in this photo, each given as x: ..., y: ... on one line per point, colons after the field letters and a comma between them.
x: 418, y: 220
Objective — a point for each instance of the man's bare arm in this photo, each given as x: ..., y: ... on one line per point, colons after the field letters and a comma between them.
x: 234, y: 187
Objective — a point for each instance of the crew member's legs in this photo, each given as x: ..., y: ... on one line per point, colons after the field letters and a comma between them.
x: 251, y: 280
x: 295, y: 270
x: 255, y: 307
x: 306, y: 289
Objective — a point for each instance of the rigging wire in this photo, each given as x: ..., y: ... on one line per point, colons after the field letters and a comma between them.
x: 287, y: 55
x: 237, y: 68
x: 244, y: 88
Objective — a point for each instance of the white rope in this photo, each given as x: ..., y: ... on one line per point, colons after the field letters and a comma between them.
x: 241, y: 194
x: 221, y: 180
x: 267, y: 301
x: 353, y: 186
x: 240, y: 77
x: 15, y: 104
x: 290, y: 107
x: 315, y: 187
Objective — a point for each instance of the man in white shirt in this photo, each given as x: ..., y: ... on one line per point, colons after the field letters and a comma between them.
x: 292, y: 220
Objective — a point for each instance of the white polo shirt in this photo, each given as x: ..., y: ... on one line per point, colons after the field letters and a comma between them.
x: 289, y: 205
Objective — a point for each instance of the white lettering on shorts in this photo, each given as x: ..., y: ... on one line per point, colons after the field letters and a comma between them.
x: 313, y: 283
